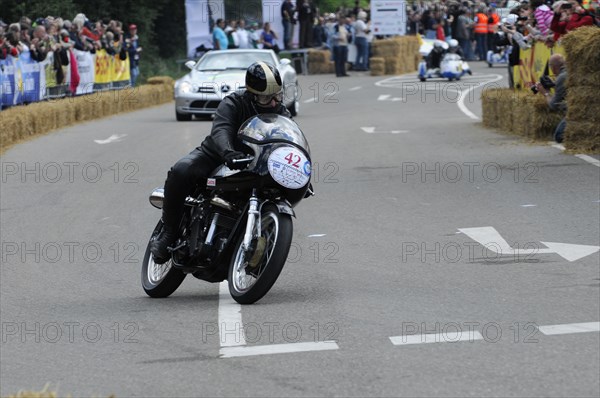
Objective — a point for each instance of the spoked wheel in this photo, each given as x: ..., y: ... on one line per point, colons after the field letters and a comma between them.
x: 159, y: 280
x: 252, y: 273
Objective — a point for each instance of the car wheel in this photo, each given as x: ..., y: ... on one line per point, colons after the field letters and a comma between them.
x: 183, y: 117
x: 204, y: 117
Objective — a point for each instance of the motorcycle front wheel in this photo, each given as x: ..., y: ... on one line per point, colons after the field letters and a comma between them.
x: 253, y: 273
x: 159, y: 280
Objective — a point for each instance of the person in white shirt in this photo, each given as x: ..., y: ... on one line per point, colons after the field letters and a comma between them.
x: 242, y: 35
x: 362, y: 46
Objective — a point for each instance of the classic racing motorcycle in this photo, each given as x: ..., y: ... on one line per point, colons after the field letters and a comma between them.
x: 238, y: 226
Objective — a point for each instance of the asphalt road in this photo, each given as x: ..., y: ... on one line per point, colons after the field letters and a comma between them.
x: 378, y: 266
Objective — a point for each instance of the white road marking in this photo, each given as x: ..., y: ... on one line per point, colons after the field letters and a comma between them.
x: 589, y: 159
x: 371, y: 130
x: 463, y: 96
x: 316, y: 235
x: 569, y: 328
x: 245, y: 351
x: 528, y: 205
x: 399, y: 82
x: 387, y: 97
x: 309, y: 100
x: 355, y: 88
x: 493, y: 241
x: 427, y: 338
x: 112, y: 138
x: 233, y: 341
x: 230, y: 319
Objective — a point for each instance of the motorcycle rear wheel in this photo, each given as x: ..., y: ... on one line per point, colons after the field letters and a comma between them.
x: 159, y: 280
x: 249, y: 284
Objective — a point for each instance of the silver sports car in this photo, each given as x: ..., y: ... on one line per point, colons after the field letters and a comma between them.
x: 220, y: 73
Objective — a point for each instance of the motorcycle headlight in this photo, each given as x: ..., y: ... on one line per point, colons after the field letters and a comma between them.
x: 185, y: 88
x: 289, y: 167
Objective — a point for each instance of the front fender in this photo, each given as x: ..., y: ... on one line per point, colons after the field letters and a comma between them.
x: 285, y: 207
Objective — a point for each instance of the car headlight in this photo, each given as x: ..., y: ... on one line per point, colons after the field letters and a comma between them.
x: 185, y: 88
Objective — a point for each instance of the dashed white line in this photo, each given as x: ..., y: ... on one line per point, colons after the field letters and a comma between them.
x: 569, y: 328
x: 355, y: 88
x: 383, y: 97
x: 529, y: 205
x: 245, y: 351
x: 316, y: 235
x: 427, y: 338
x: 309, y: 100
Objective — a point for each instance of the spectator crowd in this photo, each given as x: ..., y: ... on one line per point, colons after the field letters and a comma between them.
x: 45, y: 35
x: 479, y: 27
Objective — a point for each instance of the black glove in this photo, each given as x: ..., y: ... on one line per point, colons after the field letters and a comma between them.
x: 229, y: 158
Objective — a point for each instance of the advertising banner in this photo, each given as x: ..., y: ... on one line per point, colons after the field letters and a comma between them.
x: 388, y: 17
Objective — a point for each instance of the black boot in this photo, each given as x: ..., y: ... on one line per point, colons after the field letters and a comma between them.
x: 166, y: 238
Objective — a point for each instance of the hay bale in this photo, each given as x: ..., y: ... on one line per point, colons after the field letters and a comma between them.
x: 584, y: 104
x: 582, y: 47
x: 319, y: 56
x: 21, y: 122
x: 393, y: 66
x: 582, y: 136
x: 377, y: 66
x: 161, y: 80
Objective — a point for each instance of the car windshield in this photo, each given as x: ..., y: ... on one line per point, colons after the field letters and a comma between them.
x: 232, y: 60
x: 268, y: 127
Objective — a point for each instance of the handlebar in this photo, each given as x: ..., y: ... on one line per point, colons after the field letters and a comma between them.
x: 244, y: 160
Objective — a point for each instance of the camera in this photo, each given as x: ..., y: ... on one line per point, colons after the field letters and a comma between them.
x: 547, y: 82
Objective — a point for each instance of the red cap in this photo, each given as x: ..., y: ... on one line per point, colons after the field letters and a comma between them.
x: 132, y: 26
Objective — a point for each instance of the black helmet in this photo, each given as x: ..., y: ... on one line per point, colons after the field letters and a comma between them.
x: 263, y: 79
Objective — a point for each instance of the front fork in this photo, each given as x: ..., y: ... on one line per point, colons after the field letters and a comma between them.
x: 253, y: 226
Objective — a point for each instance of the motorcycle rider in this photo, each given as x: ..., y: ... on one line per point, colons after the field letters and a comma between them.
x: 264, y: 94
x: 434, y: 58
x: 455, y: 48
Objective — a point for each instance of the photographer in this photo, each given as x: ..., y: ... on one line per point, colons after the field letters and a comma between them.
x: 568, y: 16
x: 512, y: 28
x: 556, y: 102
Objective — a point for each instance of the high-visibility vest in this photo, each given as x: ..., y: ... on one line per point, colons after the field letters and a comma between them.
x: 482, y: 23
x: 493, y: 24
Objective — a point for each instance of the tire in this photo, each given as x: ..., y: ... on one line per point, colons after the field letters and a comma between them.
x: 163, y: 285
x: 183, y: 117
x: 422, y: 79
x: 277, y: 229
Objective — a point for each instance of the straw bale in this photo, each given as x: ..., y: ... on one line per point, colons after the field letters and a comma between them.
x: 393, y: 66
x: 582, y: 136
x: 20, y: 122
x: 161, y: 80
x: 584, y: 104
x: 582, y: 47
x: 319, y: 56
x: 489, y: 108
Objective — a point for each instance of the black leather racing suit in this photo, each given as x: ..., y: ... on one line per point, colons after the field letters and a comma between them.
x: 193, y: 169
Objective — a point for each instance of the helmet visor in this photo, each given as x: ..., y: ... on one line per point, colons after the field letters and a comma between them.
x: 266, y: 99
